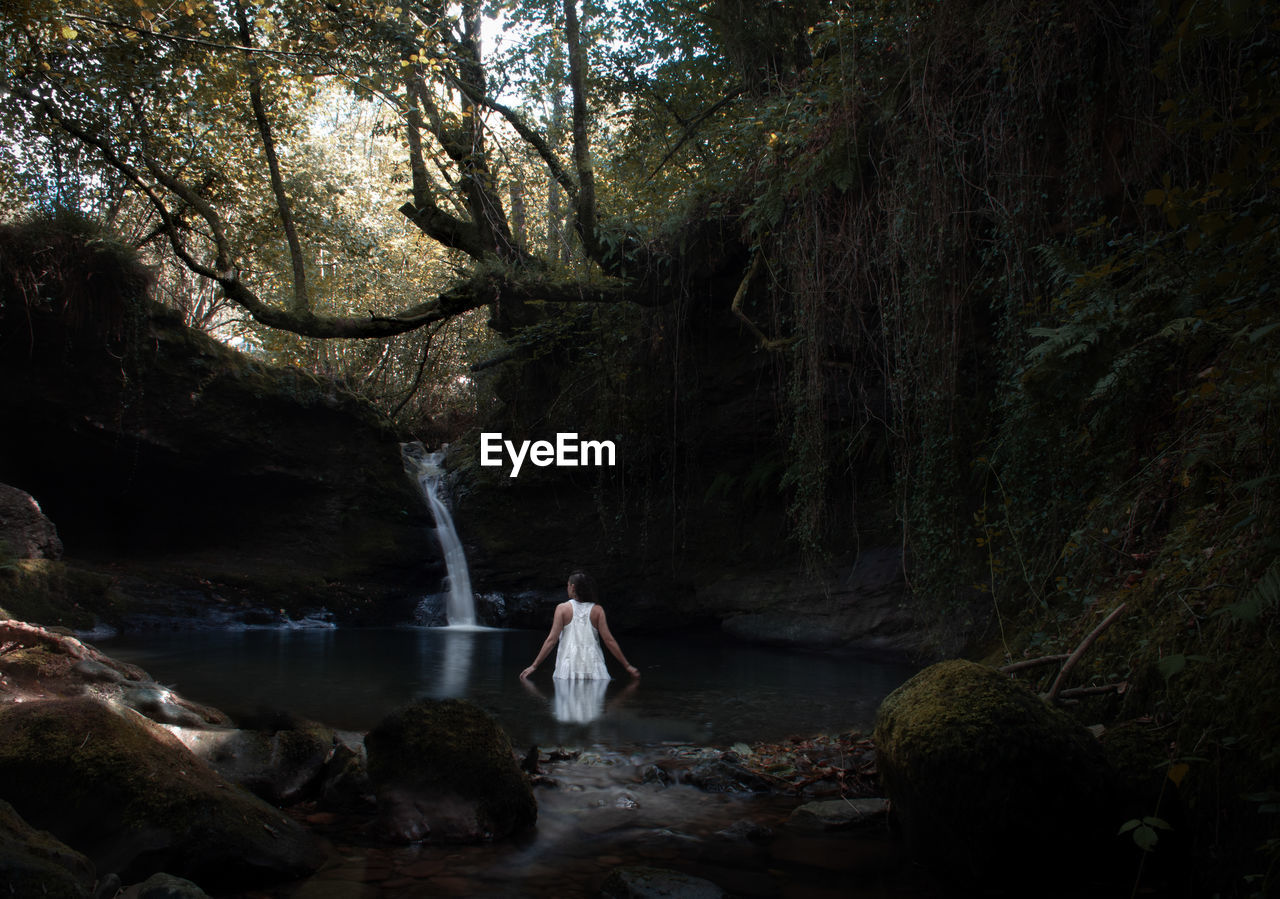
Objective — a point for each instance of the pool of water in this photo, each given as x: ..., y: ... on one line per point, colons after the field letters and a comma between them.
x: 693, y: 689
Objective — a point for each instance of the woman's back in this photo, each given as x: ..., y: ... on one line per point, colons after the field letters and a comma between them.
x: 579, y: 656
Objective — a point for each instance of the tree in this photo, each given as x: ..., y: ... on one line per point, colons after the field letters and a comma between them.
x: 189, y: 107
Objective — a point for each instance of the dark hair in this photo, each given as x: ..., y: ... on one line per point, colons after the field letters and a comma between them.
x: 584, y: 588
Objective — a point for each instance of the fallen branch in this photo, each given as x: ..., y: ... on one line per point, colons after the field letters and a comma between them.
x: 1071, y: 692
x: 1079, y: 652
x: 1033, y: 663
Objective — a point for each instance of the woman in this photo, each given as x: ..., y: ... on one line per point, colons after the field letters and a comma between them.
x: 580, y: 627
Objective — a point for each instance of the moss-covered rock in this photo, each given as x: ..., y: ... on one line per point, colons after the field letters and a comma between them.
x: 125, y: 793
x: 444, y: 772
x: 35, y: 863
x: 989, y: 783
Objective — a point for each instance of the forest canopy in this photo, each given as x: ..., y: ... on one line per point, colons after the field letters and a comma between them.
x: 527, y: 144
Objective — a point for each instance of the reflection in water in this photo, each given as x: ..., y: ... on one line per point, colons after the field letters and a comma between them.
x: 455, y: 665
x: 578, y: 701
x: 703, y: 690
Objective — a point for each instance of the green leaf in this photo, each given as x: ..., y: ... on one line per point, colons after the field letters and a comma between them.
x: 1171, y: 665
x: 1146, y: 838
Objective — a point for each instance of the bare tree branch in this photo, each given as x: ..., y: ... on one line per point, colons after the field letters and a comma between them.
x: 585, y: 202
x: 301, y: 300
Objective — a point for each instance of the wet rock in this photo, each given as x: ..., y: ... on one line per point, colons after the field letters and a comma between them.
x: 656, y: 774
x: 35, y: 863
x: 989, y: 783
x: 445, y: 772
x: 643, y: 882
x: 346, y: 783
x: 281, y: 763
x: 167, y: 886
x: 161, y: 704
x: 839, y: 814
x: 25, y: 532
x: 92, y: 670
x: 725, y: 775
x: 126, y: 793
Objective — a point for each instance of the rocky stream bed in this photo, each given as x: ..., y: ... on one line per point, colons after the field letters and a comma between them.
x: 112, y: 780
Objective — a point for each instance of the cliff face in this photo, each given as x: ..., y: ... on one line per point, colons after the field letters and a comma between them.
x: 690, y: 527
x: 192, y: 473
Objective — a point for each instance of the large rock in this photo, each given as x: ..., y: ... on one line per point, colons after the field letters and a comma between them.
x: 444, y: 772
x: 644, y: 882
x: 25, y: 532
x: 35, y: 863
x: 989, y: 783
x: 121, y: 790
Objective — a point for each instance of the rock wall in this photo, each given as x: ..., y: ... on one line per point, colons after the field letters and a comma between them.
x: 186, y: 470
x: 690, y: 528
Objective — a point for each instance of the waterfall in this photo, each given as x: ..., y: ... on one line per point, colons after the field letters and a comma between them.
x: 424, y: 468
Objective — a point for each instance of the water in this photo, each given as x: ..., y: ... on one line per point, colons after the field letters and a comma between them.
x: 703, y: 690
x: 425, y: 469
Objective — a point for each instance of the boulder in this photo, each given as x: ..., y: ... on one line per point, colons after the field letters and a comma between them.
x: 166, y: 886
x: 25, y: 532
x: 838, y: 814
x: 35, y: 863
x: 122, y: 790
x: 345, y: 781
x: 643, y: 882
x: 444, y: 771
x: 42, y: 663
x: 988, y: 783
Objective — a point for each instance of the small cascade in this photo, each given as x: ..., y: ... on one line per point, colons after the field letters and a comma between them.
x: 424, y: 468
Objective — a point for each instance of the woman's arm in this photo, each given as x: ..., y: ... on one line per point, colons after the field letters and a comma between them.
x: 558, y: 621
x: 607, y: 638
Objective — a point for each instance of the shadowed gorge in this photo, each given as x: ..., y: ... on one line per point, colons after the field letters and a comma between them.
x: 918, y: 332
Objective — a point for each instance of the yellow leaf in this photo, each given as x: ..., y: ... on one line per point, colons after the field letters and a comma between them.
x: 1178, y: 772
x: 69, y: 33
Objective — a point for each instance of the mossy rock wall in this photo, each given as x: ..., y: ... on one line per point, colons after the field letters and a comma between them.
x: 988, y: 783
x: 445, y: 772
x: 176, y: 463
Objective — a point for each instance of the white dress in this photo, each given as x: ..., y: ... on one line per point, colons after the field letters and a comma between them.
x: 579, y: 656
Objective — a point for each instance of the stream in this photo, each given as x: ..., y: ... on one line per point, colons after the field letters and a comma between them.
x: 599, y: 811
x: 697, y: 689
